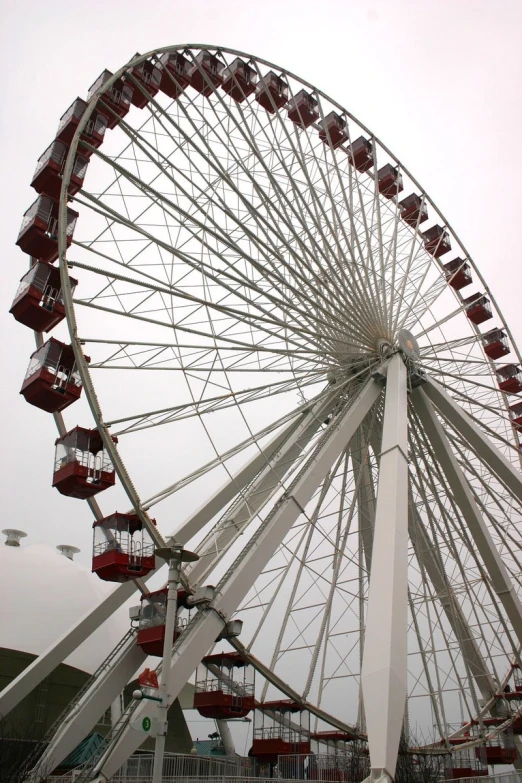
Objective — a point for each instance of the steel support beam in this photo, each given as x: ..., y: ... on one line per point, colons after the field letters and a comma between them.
x: 500, y: 579
x: 384, y: 668
x: 365, y: 494
x: 81, y: 720
x: 239, y: 579
x: 471, y: 433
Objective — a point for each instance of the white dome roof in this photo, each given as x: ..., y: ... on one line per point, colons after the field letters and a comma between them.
x: 45, y: 594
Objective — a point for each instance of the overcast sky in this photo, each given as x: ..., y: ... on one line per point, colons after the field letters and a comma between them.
x: 437, y: 80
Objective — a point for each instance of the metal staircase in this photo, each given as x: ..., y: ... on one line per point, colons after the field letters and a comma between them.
x: 36, y: 760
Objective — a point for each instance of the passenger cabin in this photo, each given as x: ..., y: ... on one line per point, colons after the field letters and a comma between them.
x: 47, y: 178
x: 458, y: 273
x: 271, y: 92
x: 413, y: 209
x: 436, y: 241
x: 206, y: 73
x: 153, y: 615
x: 303, y: 109
x: 224, y: 686
x: 148, y: 76
x: 360, y: 154
x: 93, y: 133
x: 500, y: 749
x: 280, y: 728
x: 175, y: 70
x: 52, y: 381
x: 333, y: 130
x: 495, y: 343
x: 82, y: 468
x: 122, y: 548
x: 389, y: 180
x: 515, y: 412
x: 239, y: 80
x: 38, y: 303
x: 467, y: 763
x: 510, y: 378
x: 478, y: 308
x: 115, y: 102
x: 38, y: 235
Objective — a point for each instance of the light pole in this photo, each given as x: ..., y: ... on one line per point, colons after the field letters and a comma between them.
x: 174, y: 556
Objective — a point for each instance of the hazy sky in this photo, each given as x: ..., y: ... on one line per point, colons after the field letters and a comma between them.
x: 437, y: 80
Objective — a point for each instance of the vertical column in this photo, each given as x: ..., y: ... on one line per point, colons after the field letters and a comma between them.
x: 384, y: 669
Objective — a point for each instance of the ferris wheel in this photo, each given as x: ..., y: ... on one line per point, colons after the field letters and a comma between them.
x: 292, y: 364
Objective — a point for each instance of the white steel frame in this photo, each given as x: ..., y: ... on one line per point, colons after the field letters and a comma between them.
x: 337, y: 275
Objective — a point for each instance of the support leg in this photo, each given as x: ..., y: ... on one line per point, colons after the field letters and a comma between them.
x: 226, y: 737
x: 496, y: 461
x: 499, y: 575
x: 384, y: 669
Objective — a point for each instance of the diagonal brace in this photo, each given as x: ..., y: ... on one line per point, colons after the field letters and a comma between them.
x: 499, y: 575
x: 463, y: 423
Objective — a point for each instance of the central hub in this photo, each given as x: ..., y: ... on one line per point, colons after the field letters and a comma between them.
x: 408, y: 345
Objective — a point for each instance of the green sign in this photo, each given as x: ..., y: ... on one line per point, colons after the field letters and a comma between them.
x: 146, y: 724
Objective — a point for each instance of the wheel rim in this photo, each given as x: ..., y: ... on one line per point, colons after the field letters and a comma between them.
x: 275, y: 236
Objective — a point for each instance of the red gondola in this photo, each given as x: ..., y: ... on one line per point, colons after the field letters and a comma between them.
x: 206, y: 73
x: 303, y: 109
x: 436, y: 241
x: 38, y: 236
x: 81, y: 466
x: 224, y: 686
x: 478, y: 308
x: 52, y: 381
x: 47, y: 178
x: 500, y: 749
x: 360, y: 154
x: 271, y: 92
x: 153, y: 614
x: 174, y: 74
x: 467, y: 763
x: 495, y: 343
x: 239, y: 80
x: 414, y: 210
x: 333, y: 130
x: 515, y: 412
x: 93, y: 133
x: 389, y: 181
x: 115, y: 102
x: 510, y: 378
x: 38, y: 303
x: 122, y: 548
x: 458, y: 273
x: 148, y: 75
x: 280, y: 728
